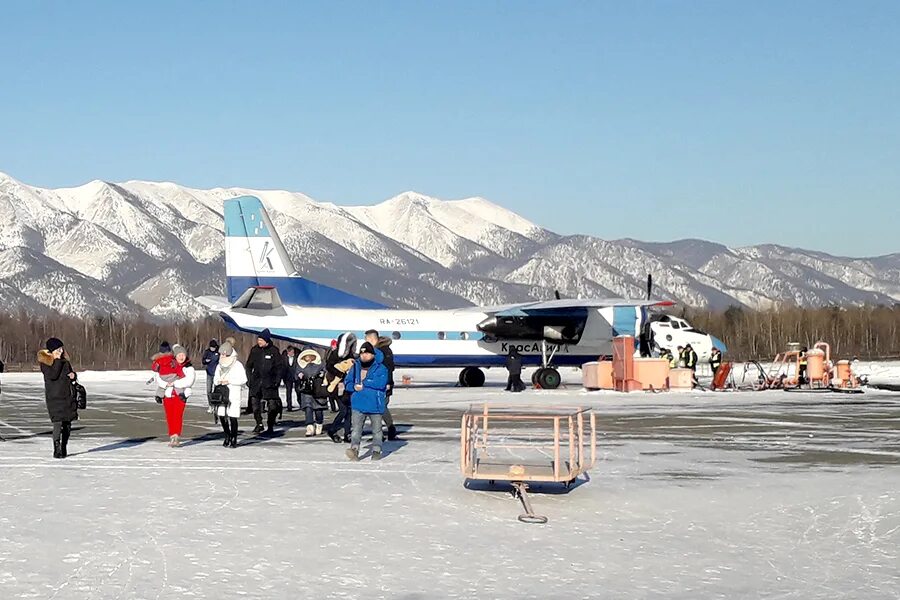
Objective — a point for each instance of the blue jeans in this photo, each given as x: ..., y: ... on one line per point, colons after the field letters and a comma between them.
x: 358, y: 420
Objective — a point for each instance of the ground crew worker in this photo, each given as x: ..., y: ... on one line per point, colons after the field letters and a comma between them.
x: 680, y: 356
x: 715, y: 360
x: 667, y: 354
x: 801, y: 375
x: 690, y: 358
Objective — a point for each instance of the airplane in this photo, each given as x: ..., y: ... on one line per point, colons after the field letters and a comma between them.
x: 265, y: 292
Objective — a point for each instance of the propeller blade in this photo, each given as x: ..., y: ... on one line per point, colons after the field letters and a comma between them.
x: 556, y: 293
x: 649, y: 285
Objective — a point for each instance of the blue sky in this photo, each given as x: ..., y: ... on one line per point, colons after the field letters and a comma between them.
x: 738, y: 122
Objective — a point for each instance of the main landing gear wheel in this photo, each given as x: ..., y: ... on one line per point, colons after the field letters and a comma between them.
x: 547, y: 378
x: 471, y: 377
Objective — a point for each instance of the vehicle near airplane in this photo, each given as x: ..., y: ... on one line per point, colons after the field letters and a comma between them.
x: 670, y: 332
x: 265, y: 292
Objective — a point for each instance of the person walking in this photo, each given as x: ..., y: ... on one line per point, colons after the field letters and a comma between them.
x: 369, y: 379
x: 176, y: 392
x: 289, y: 358
x: 58, y: 394
x: 383, y: 343
x: 338, y: 363
x: 715, y: 360
x: 232, y: 374
x: 264, y: 374
x: 210, y: 360
x: 514, y: 368
x: 309, y: 372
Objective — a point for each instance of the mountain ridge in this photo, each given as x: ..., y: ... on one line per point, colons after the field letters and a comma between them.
x: 143, y: 247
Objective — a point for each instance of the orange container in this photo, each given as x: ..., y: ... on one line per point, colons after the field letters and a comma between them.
x: 815, y: 365
x: 651, y: 372
x: 681, y: 380
x: 843, y: 373
x: 597, y: 375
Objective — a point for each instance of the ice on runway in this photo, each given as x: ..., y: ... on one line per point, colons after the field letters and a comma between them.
x: 731, y: 495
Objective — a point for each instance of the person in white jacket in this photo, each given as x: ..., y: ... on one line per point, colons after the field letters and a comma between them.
x: 176, y: 392
x: 231, y: 373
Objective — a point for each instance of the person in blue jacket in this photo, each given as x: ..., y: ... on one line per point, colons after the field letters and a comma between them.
x: 368, y: 380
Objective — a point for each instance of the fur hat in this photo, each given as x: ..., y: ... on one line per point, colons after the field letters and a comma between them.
x: 54, y: 344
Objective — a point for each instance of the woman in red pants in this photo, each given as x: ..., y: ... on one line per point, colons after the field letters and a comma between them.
x: 175, y: 378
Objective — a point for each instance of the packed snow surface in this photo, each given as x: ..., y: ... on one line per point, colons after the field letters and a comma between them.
x: 726, y: 495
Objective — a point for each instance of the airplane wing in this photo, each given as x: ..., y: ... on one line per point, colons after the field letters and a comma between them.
x: 561, y: 306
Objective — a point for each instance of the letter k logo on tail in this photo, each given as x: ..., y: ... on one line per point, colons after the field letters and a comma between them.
x: 265, y: 258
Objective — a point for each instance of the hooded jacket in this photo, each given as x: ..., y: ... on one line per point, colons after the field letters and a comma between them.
x: 57, y: 387
x: 372, y: 398
x: 514, y: 362
x: 210, y: 360
x: 384, y: 344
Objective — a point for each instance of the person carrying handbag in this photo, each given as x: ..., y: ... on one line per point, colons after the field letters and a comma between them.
x: 229, y: 378
x: 61, y: 402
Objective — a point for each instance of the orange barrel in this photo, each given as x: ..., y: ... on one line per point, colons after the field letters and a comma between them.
x: 843, y: 372
x: 815, y: 365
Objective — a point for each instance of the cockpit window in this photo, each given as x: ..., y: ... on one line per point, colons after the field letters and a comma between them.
x: 676, y: 325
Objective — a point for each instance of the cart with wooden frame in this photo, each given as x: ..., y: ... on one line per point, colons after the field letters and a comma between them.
x: 522, y: 445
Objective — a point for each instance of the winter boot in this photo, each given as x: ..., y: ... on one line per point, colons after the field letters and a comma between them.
x: 376, y: 456
x: 57, y: 449
x: 226, y: 428
x: 64, y: 446
x: 310, y: 430
x: 352, y: 453
x: 336, y: 438
x: 319, y: 428
x: 176, y: 441
x: 392, y: 433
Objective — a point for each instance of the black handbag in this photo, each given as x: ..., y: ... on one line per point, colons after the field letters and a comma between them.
x: 79, y: 395
x: 219, y: 396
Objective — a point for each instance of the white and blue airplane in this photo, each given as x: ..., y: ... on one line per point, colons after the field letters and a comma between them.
x: 265, y: 292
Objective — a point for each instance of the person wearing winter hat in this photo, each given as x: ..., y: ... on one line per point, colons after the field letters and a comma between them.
x: 264, y: 374
x: 230, y: 373
x: 210, y: 360
x: 368, y: 378
x: 176, y: 393
x: 309, y: 373
x: 58, y: 377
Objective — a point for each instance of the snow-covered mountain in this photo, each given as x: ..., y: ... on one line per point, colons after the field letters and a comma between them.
x: 149, y: 248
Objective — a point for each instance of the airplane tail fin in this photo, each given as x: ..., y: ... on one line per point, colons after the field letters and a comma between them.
x: 255, y: 256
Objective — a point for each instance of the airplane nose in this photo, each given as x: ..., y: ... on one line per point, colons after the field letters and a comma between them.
x: 717, y: 343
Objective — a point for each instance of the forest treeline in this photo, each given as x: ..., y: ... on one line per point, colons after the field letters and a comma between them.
x: 869, y: 332
x: 111, y: 343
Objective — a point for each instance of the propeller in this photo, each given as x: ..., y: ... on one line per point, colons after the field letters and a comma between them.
x: 556, y: 293
x: 649, y: 285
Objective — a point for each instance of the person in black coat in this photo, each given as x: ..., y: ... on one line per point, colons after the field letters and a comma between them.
x: 514, y: 366
x: 264, y: 373
x: 61, y: 403
x: 338, y: 362
x: 289, y: 358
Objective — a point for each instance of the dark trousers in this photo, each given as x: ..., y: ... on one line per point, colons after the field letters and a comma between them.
x: 342, y: 418
x: 514, y: 383
x: 256, y: 407
x: 289, y: 384
x: 318, y: 413
x: 61, y: 431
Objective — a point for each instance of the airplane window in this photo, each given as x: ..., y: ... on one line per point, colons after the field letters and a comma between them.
x: 442, y: 335
x: 396, y: 335
x: 463, y: 335
x: 676, y: 325
x: 661, y: 324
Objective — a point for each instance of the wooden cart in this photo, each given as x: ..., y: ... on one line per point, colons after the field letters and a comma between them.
x: 527, y: 444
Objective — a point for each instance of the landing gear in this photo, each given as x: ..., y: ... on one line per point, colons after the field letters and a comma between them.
x: 471, y: 377
x: 546, y: 378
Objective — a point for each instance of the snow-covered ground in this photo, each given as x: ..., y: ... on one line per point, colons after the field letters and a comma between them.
x: 699, y: 495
